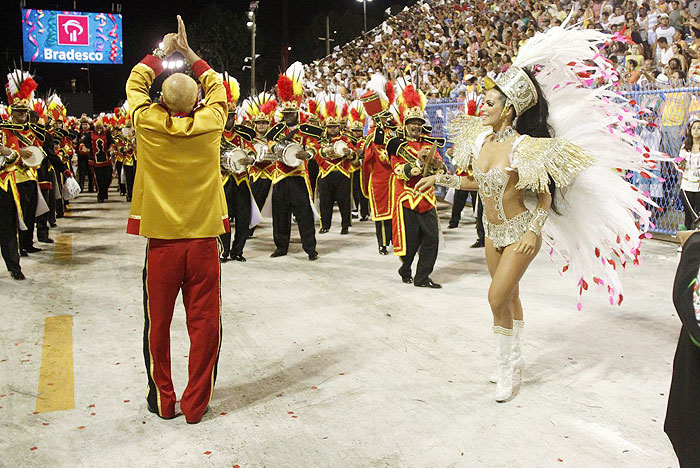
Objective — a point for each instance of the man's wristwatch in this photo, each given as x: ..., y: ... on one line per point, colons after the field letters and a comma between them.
x: 158, y: 52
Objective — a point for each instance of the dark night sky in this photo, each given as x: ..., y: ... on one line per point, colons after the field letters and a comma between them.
x: 145, y: 23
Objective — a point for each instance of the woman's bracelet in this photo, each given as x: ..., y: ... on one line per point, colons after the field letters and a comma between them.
x: 538, y: 220
x: 447, y: 180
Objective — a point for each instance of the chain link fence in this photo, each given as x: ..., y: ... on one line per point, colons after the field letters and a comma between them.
x: 669, y: 109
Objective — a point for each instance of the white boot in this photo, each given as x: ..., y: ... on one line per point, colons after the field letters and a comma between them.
x: 518, y: 357
x: 504, y: 361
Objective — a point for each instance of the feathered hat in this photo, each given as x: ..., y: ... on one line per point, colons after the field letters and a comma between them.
x: 379, y: 96
x: 330, y: 113
x: 20, y: 89
x: 290, y: 87
x: 39, y: 106
x: 411, y: 102
x: 357, y: 116
x: 233, y: 90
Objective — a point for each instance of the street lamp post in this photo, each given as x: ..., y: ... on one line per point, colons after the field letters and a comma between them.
x: 251, y: 24
x: 364, y: 11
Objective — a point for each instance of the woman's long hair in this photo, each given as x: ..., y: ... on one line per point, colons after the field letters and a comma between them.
x: 688, y: 144
x: 533, y: 122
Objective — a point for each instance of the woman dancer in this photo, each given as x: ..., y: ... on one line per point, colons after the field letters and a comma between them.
x: 512, y: 152
x: 690, y: 166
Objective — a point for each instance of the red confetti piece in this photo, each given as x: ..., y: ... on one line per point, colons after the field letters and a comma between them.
x: 295, y: 417
x: 236, y: 466
x: 279, y: 395
x: 223, y: 413
x: 35, y: 412
x: 117, y: 363
x: 127, y: 401
x: 560, y: 460
x: 92, y: 414
x: 44, y: 424
x: 208, y: 452
x: 566, y: 267
x: 342, y: 373
x: 33, y: 448
x: 92, y: 405
x: 314, y: 387
x: 290, y: 412
x: 81, y: 427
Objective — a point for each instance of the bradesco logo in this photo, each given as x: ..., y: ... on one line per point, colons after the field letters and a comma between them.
x: 73, y: 30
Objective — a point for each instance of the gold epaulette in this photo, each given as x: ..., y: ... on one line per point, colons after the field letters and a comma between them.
x: 462, y: 131
x: 538, y: 159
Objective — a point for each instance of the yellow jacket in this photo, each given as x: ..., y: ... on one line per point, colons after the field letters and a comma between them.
x: 177, y: 190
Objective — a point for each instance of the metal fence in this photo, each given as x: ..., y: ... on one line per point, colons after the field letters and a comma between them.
x: 669, y: 109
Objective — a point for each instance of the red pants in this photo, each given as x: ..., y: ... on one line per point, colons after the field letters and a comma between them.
x: 193, y: 266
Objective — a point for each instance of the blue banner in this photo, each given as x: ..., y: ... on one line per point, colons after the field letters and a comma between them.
x: 72, y: 37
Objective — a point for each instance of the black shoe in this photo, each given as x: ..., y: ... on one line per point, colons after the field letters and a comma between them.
x: 46, y: 240
x: 238, y: 258
x: 18, y: 275
x: 451, y: 226
x: 154, y: 411
x: 344, y: 231
x: 278, y: 253
x: 32, y: 249
x: 407, y: 279
x: 428, y: 284
x: 313, y: 256
x: 223, y: 259
x: 128, y: 199
x: 364, y: 218
x: 323, y: 230
x: 54, y: 224
x: 477, y: 244
x: 383, y: 250
x: 23, y: 253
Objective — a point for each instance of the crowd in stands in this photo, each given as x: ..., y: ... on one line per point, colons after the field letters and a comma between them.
x: 448, y: 46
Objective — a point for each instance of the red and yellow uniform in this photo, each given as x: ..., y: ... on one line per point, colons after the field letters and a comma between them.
x: 179, y: 204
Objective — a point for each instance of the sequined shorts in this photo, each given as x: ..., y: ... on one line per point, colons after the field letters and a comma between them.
x: 509, y: 231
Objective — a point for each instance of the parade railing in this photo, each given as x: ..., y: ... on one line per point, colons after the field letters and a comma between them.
x: 665, y: 107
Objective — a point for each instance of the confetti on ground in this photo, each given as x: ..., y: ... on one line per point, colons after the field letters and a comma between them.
x: 236, y: 466
x: 559, y: 460
x: 92, y: 405
x: 44, y: 424
x: 295, y: 417
x: 279, y: 395
x: 127, y: 401
x: 208, y: 452
x: 81, y: 427
x: 92, y: 414
x: 223, y: 413
x: 290, y: 412
x: 342, y: 373
x: 33, y: 448
x: 314, y: 387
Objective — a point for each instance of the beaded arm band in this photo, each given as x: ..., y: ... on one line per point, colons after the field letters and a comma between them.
x: 538, y: 220
x: 447, y: 180
x: 158, y: 52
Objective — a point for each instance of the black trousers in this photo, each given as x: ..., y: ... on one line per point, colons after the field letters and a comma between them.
x: 692, y: 202
x: 42, y: 221
x: 422, y: 237
x: 460, y: 201
x: 118, y: 168
x: 313, y: 174
x: 260, y: 189
x: 361, y: 202
x: 130, y: 173
x: 9, y: 246
x: 103, y: 178
x: 290, y: 197
x: 28, y: 197
x: 85, y: 171
x: 335, y: 187
x: 383, y: 229
x: 238, y: 202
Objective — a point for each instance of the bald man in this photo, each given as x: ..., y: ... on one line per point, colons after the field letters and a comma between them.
x: 178, y: 203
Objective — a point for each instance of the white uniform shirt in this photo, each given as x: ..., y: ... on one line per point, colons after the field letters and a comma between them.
x: 691, y: 174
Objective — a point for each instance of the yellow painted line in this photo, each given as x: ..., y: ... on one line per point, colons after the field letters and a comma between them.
x: 56, y: 387
x: 64, y: 248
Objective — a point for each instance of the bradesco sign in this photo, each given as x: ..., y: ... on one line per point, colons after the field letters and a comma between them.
x: 71, y: 37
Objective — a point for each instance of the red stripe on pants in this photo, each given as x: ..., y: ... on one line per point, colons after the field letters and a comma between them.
x: 193, y: 266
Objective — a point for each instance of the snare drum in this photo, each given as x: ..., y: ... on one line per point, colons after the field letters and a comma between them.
x: 231, y: 160
x: 291, y: 153
x: 34, y: 160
